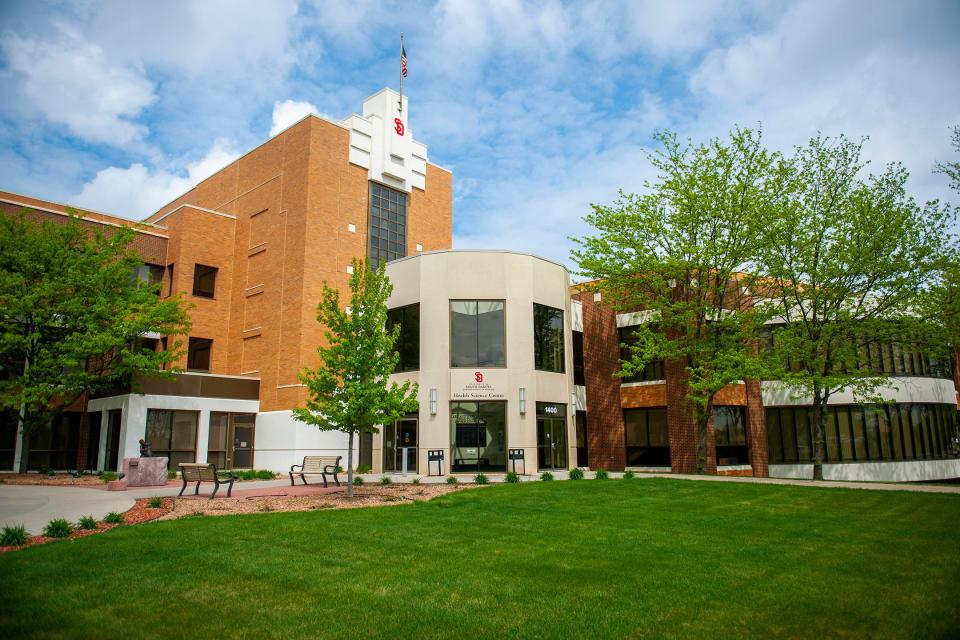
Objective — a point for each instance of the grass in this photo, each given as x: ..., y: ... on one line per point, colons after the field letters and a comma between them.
x: 655, y: 557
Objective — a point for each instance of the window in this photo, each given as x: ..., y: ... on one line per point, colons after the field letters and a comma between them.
x: 204, y: 281
x: 173, y: 434
x: 578, y: 372
x: 150, y: 275
x: 653, y: 369
x: 647, y: 439
x: 730, y: 434
x: 55, y: 444
x: 198, y: 354
x: 387, y: 225
x: 478, y: 435
x: 408, y: 342
x: 169, y: 280
x: 547, y: 338
x: 857, y: 433
x: 477, y: 333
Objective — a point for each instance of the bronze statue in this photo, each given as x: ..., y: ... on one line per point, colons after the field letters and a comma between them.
x: 146, y: 451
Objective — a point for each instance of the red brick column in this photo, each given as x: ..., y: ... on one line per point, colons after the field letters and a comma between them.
x: 680, y: 425
x: 84, y: 440
x: 606, y: 445
x: 756, y: 430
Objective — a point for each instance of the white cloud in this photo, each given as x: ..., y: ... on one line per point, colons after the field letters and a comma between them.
x: 290, y: 111
x: 244, y: 39
x: 136, y: 191
x: 70, y: 81
x: 883, y: 70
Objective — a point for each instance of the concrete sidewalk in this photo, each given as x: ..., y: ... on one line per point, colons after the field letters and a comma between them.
x: 35, y: 506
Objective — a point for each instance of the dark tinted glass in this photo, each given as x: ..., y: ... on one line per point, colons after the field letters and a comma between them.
x: 198, y: 354
x: 408, y: 341
x: 204, y: 281
x: 477, y: 333
x: 387, y: 225
x: 548, y: 338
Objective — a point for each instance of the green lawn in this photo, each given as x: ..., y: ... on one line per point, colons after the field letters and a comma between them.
x: 596, y: 559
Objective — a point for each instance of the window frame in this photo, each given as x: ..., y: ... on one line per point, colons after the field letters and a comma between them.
x: 191, y: 353
x: 203, y: 271
x: 393, y: 222
x: 538, y: 348
x: 477, y: 316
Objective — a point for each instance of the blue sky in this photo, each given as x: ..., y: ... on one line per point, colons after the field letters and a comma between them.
x: 540, y: 109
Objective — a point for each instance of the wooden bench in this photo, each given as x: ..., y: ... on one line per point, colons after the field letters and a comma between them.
x: 317, y: 465
x: 199, y: 472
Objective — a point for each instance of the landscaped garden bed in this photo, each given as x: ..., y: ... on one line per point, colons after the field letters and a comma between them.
x: 363, y: 496
x: 143, y: 510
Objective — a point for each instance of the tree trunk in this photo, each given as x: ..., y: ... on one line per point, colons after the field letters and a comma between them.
x: 24, y: 438
x: 819, y: 443
x: 702, y: 454
x: 350, y: 465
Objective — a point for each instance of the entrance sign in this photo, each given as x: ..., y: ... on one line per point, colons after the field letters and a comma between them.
x: 478, y: 384
x: 517, y: 454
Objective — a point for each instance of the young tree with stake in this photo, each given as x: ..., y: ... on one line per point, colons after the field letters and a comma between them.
x: 350, y: 390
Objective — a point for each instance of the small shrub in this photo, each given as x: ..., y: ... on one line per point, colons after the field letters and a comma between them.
x: 357, y: 481
x: 452, y: 480
x: 601, y: 474
x: 386, y: 480
x: 13, y: 536
x: 512, y: 477
x: 107, y: 476
x: 576, y: 474
x: 171, y: 475
x: 155, y: 502
x: 628, y: 474
x: 113, y: 518
x: 481, y: 479
x: 254, y: 474
x: 415, y: 481
x: 362, y: 468
x: 87, y: 522
x: 546, y: 476
x: 339, y: 469
x: 57, y: 528
x: 264, y: 474
x: 46, y: 471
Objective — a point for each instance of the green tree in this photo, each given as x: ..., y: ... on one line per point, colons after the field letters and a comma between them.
x: 846, y: 259
x: 73, y: 316
x: 952, y: 169
x: 350, y: 390
x: 683, y: 253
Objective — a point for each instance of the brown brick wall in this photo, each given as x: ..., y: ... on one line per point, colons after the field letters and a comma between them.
x: 648, y: 395
x: 756, y: 429
x: 150, y: 243
x: 605, y: 430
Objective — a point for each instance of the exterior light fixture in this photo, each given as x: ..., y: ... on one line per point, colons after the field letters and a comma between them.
x: 573, y: 402
x: 433, y: 401
x: 523, y: 400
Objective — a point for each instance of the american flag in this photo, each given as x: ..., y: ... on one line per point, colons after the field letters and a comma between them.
x: 403, y: 62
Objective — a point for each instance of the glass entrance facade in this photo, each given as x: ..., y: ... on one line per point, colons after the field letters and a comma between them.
x: 551, y: 436
x: 478, y: 436
x: 230, y: 443
x: 399, y: 442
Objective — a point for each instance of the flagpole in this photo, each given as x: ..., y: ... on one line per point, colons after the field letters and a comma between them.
x: 401, y: 73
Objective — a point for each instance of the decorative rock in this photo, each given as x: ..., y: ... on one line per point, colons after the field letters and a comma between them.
x: 117, y: 485
x: 145, y: 472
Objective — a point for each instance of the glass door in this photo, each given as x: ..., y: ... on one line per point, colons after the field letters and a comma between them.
x: 114, y: 419
x: 478, y: 436
x: 551, y: 443
x: 243, y: 427
x: 399, y: 440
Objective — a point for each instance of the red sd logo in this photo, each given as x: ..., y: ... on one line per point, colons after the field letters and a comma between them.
x: 478, y: 376
x: 398, y: 126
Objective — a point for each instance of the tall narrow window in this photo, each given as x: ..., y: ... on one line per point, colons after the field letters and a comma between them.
x: 408, y: 342
x: 387, y: 225
x: 204, y: 280
x: 198, y: 354
x: 548, y: 338
x: 477, y: 333
x: 578, y: 371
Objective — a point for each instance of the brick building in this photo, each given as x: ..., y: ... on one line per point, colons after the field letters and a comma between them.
x: 514, y: 366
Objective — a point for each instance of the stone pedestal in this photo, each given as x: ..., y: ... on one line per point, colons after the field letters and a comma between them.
x: 145, y: 472
x: 117, y: 485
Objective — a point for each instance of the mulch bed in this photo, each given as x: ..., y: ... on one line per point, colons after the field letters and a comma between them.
x: 56, y: 480
x: 139, y: 513
x: 373, y: 495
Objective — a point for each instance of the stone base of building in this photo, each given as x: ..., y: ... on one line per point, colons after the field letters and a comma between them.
x: 903, y: 471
